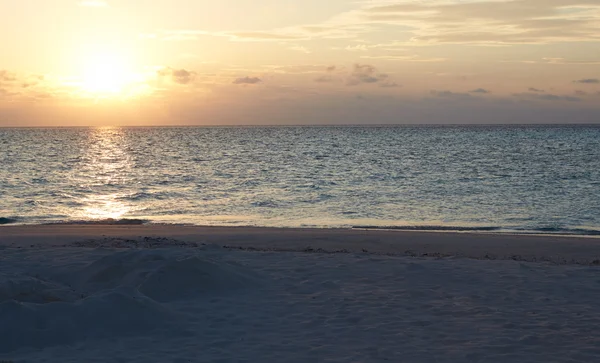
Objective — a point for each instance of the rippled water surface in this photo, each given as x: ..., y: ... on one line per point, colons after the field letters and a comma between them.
x: 538, y: 178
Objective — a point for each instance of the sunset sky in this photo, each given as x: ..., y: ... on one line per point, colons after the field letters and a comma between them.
x: 180, y: 62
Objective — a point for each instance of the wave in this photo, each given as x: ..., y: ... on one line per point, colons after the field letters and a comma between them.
x: 539, y: 230
x: 432, y: 228
x: 141, y: 196
x: 574, y: 231
x: 4, y: 220
x: 552, y: 230
x: 107, y: 221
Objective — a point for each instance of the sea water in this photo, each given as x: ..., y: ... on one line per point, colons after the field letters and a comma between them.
x: 489, y: 178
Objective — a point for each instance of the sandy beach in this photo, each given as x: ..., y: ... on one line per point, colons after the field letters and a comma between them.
x: 532, y: 248
x: 157, y: 293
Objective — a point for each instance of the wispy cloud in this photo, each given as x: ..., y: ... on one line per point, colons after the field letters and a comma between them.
x: 479, y: 90
x: 300, y: 48
x: 368, y: 74
x: 6, y: 76
x: 262, y: 35
x: 357, y: 48
x: 329, y: 77
x: 492, y: 22
x: 449, y: 94
x: 546, y: 97
x: 326, y: 79
x: 403, y: 58
x: 179, y: 76
x: 93, y: 3
x: 247, y: 80
x: 588, y: 81
x: 424, y: 23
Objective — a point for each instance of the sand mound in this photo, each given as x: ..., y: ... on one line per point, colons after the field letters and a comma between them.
x: 34, y: 290
x: 160, y: 275
x: 190, y: 277
x: 116, y: 313
x: 118, y: 269
x: 120, y: 294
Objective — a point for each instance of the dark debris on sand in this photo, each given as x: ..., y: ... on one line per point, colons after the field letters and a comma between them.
x: 163, y: 242
x: 141, y: 242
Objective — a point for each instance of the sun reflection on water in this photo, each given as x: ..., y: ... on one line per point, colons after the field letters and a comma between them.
x: 104, y: 171
x: 105, y: 207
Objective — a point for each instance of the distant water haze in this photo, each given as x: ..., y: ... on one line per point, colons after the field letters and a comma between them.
x: 489, y: 178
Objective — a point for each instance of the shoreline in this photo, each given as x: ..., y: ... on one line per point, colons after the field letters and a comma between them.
x: 478, y: 245
x: 483, y: 230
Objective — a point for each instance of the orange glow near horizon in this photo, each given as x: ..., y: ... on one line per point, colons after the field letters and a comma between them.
x: 134, y: 62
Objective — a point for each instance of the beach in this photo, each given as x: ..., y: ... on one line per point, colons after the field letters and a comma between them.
x: 493, y: 246
x: 160, y: 293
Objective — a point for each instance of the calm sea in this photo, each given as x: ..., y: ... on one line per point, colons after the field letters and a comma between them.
x: 497, y: 178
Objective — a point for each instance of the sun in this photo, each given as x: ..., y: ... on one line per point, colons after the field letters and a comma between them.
x: 105, y: 74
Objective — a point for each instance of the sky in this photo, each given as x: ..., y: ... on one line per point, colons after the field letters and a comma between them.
x: 257, y: 62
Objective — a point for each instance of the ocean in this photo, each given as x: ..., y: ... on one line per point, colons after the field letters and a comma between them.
x: 527, y: 179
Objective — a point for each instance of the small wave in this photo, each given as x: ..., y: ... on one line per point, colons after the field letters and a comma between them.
x: 433, y: 228
x: 265, y: 204
x: 107, y: 221
x: 141, y: 196
x: 540, y: 230
x: 567, y: 231
x: 4, y: 220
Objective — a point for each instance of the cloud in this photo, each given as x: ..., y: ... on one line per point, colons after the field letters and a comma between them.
x: 247, y: 80
x: 365, y: 74
x: 568, y: 61
x: 193, y: 34
x: 179, y: 76
x: 546, y: 97
x: 357, y: 48
x: 580, y: 93
x: 286, y: 69
x: 14, y: 82
x: 294, y: 33
x: 532, y: 89
x: 404, y: 58
x: 301, y: 49
x: 258, y: 36
x: 555, y: 61
x: 588, y: 81
x: 418, y: 23
x: 7, y: 76
x: 183, y: 76
x: 479, y: 90
x: 551, y: 97
x: 449, y: 94
x: 491, y: 22
x: 325, y: 79
x: 93, y: 3
x: 329, y: 77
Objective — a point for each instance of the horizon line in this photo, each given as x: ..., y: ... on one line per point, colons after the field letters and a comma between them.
x: 295, y: 125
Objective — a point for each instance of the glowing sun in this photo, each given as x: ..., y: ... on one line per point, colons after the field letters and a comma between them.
x: 105, y: 74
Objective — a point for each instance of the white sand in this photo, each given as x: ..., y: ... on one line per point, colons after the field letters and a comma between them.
x: 210, y: 304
